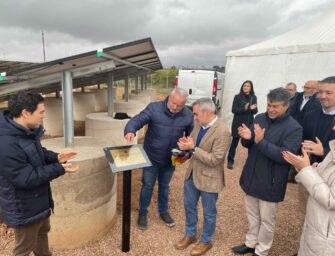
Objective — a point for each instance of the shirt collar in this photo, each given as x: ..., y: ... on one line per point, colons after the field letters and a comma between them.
x: 331, y: 113
x: 211, y: 123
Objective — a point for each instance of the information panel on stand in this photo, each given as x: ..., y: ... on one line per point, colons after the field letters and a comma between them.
x: 128, y: 157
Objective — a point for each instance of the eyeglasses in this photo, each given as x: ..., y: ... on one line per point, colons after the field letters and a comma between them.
x: 306, y: 87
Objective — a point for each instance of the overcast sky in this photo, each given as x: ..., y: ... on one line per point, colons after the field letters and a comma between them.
x: 191, y: 33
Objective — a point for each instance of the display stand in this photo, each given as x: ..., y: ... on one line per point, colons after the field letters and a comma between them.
x: 125, y: 159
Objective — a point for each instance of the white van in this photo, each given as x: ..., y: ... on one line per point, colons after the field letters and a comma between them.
x: 201, y: 83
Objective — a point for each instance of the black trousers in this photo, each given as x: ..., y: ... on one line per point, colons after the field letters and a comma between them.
x: 232, y: 149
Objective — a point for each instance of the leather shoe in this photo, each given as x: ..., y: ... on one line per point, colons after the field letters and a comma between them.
x: 242, y: 249
x: 185, y: 242
x: 201, y: 248
x: 230, y: 166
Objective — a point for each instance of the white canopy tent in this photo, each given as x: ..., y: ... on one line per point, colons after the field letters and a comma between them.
x: 306, y: 53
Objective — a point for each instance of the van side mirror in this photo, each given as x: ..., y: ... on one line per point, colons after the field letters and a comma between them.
x: 190, y: 91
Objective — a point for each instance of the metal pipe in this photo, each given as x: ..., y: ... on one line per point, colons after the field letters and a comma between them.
x: 136, y: 85
x: 67, y: 101
x: 126, y: 88
x: 110, y: 99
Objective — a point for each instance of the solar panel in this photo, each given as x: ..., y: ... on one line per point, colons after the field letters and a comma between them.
x: 130, y: 59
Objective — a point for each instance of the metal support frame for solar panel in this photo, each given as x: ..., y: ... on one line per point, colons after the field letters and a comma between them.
x: 110, y: 95
x: 140, y: 52
x: 136, y: 85
x: 135, y: 58
x: 67, y: 108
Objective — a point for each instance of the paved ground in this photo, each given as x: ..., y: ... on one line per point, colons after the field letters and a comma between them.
x: 159, y: 239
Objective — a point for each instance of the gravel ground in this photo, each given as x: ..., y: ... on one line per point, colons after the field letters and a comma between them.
x: 159, y: 239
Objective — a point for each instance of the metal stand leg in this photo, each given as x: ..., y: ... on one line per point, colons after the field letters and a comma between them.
x: 126, y: 211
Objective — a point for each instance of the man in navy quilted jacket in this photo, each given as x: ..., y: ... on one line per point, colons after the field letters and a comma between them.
x: 26, y: 169
x: 167, y: 120
x: 265, y: 171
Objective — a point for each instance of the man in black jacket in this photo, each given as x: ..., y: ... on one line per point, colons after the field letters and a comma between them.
x: 318, y: 123
x: 305, y: 101
x: 292, y: 89
x: 26, y: 169
x: 265, y: 172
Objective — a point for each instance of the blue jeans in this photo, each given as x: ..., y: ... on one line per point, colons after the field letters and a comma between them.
x: 191, y: 198
x: 150, y: 174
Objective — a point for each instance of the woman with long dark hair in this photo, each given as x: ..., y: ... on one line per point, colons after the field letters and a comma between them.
x: 244, y: 108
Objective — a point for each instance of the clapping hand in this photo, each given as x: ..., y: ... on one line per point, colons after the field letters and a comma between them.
x: 186, y: 143
x: 298, y: 162
x: 69, y: 168
x: 244, y: 132
x: 65, y: 156
x: 312, y: 147
x: 259, y: 133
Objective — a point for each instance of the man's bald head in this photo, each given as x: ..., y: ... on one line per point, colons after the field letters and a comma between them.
x: 311, y: 87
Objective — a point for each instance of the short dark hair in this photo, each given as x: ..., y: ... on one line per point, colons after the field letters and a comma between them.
x: 251, y: 87
x: 24, y: 100
x: 279, y: 94
x: 328, y: 80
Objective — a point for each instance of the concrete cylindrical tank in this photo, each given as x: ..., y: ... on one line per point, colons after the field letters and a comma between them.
x: 53, y: 121
x: 145, y: 99
x: 119, y: 93
x: 83, y: 104
x: 101, y: 99
x: 100, y: 125
x: 151, y: 92
x: 85, y: 202
x: 130, y: 107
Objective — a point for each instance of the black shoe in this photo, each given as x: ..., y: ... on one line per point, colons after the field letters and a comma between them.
x: 167, y: 219
x: 142, y: 221
x: 242, y: 249
x: 230, y: 166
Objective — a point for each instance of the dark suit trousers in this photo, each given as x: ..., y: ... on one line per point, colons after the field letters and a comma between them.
x: 32, y: 238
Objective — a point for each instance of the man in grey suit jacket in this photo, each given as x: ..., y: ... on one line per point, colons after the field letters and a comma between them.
x: 208, y: 144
